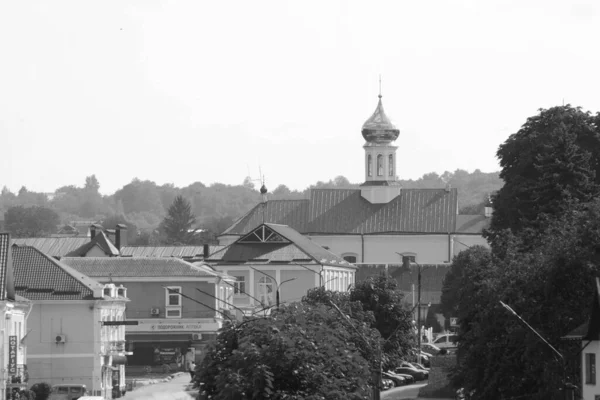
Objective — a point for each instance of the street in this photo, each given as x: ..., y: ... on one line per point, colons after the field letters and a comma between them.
x: 172, y: 390
x: 403, y: 392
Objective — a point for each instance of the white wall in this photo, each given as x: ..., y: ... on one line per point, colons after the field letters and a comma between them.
x: 589, y: 391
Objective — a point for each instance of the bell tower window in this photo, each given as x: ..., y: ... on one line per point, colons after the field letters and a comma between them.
x: 379, y: 165
x: 391, y: 165
x: 369, y: 165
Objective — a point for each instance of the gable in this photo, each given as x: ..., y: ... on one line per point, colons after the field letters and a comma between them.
x: 263, y: 234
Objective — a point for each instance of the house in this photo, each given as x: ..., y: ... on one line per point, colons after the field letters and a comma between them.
x: 274, y: 262
x: 588, y: 335
x: 99, y: 245
x: 13, y: 325
x: 372, y: 224
x: 75, y: 333
x: 177, y: 305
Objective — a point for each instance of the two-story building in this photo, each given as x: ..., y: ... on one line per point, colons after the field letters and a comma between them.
x: 13, y: 325
x: 69, y: 339
x: 176, y: 305
x: 274, y: 261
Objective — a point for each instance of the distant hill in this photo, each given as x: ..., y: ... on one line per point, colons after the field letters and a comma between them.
x: 144, y: 203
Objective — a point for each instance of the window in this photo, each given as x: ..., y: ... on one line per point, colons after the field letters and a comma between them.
x: 265, y: 291
x: 350, y: 259
x: 369, y: 165
x: 391, y: 165
x: 590, y: 368
x: 379, y: 165
x: 239, y: 286
x: 173, y: 301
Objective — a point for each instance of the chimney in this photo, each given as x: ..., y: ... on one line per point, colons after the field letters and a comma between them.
x: 120, y: 236
x: 93, y: 228
x: 206, y: 252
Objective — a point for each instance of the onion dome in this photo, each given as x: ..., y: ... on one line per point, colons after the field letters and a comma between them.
x: 263, y: 189
x: 379, y: 128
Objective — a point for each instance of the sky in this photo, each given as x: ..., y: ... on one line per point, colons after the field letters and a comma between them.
x: 214, y: 91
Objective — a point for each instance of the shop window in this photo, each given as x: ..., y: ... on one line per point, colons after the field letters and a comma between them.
x: 173, y: 302
x: 590, y: 368
x: 239, y: 286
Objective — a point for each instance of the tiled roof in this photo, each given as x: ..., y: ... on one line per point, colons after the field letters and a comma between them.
x: 55, y: 247
x: 471, y: 224
x: 99, y: 240
x: 167, y: 251
x: 344, y: 211
x: 137, y: 267
x: 41, y: 277
x: 295, y: 248
x: 4, y: 262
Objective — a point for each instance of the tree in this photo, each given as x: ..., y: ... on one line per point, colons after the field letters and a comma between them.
x: 91, y: 184
x: 31, y: 221
x: 179, y: 222
x: 41, y: 390
x: 302, y: 352
x: 551, y: 164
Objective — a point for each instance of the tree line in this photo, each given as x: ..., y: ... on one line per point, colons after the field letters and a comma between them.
x: 143, y: 205
x: 543, y: 259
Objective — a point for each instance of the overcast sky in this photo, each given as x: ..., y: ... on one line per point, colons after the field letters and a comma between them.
x: 185, y: 91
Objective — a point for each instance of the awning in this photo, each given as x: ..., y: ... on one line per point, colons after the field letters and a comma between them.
x: 119, y: 360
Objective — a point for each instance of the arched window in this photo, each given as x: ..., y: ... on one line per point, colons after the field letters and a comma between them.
x: 265, y: 291
x: 391, y: 164
x: 379, y: 165
x: 369, y: 165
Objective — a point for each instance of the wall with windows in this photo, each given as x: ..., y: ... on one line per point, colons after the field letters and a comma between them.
x: 428, y: 249
x: 590, y: 384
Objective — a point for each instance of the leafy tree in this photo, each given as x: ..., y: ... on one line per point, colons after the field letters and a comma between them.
x: 179, y: 221
x: 31, y: 221
x: 112, y: 221
x: 551, y: 164
x: 91, y: 184
x: 302, y: 352
x: 41, y: 390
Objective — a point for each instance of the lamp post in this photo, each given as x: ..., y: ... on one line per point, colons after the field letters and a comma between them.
x: 277, y: 284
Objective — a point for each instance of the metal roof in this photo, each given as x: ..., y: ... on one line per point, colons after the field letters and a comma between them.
x: 55, y: 247
x: 4, y: 263
x: 345, y: 211
x: 167, y: 251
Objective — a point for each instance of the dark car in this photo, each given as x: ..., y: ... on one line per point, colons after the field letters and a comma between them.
x: 430, y: 348
x: 398, y: 380
x: 412, y: 371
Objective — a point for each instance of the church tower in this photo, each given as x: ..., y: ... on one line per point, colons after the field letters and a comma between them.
x: 379, y: 132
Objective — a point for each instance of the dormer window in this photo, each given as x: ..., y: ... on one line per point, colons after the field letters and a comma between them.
x: 391, y: 165
x: 121, y: 292
x: 369, y: 165
x: 107, y: 292
x: 379, y: 165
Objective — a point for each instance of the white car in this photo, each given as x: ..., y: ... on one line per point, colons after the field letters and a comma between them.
x: 445, y: 341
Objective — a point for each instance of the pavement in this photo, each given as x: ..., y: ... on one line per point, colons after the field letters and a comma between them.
x: 410, y: 392
x: 174, y: 387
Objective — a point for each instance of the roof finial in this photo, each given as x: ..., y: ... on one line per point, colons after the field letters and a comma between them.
x: 379, y: 85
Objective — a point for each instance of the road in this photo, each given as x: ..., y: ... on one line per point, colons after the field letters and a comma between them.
x: 403, y: 392
x: 172, y: 390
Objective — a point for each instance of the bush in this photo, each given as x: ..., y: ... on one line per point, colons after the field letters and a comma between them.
x: 41, y: 390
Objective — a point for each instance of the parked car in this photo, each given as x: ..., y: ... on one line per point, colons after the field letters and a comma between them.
x: 387, y: 384
x: 419, y: 366
x: 446, y: 341
x: 398, y: 380
x: 430, y: 348
x: 418, y: 375
x: 67, y: 392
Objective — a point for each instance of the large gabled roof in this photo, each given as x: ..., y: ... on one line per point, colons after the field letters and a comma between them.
x: 101, y: 241
x: 139, y: 267
x: 345, y: 211
x: 168, y: 251
x: 41, y: 277
x: 276, y: 244
x: 54, y: 247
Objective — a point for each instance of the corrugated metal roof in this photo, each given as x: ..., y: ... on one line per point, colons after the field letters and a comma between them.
x: 335, y: 211
x: 299, y: 247
x: 4, y: 260
x: 40, y: 277
x: 55, y: 247
x: 167, y: 251
x: 472, y: 224
x: 137, y: 267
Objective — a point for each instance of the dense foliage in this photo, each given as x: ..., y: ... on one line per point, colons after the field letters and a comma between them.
x: 41, y: 390
x: 144, y: 204
x: 31, y: 221
x: 545, y: 254
x: 178, y: 225
x: 302, y: 352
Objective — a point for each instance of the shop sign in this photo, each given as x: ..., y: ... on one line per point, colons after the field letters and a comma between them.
x: 12, y: 355
x: 167, y: 355
x: 175, y: 327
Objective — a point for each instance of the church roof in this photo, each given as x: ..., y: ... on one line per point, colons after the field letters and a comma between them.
x: 379, y: 128
x: 345, y: 211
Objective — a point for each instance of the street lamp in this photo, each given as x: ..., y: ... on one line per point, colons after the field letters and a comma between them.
x: 277, y: 284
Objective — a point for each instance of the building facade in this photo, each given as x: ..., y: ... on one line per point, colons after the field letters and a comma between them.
x: 67, y: 340
x: 176, y: 305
